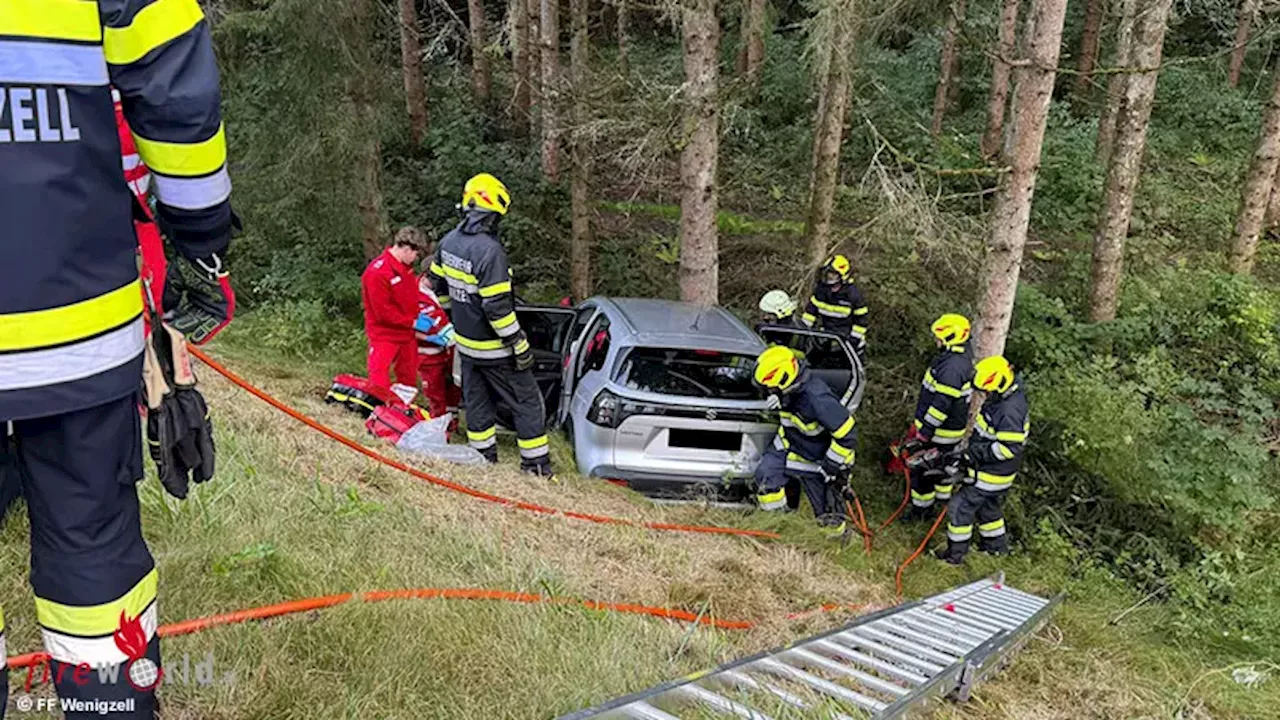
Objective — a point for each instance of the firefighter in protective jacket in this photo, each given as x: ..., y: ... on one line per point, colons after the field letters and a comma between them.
x: 472, y: 279
x: 838, y: 305
x: 994, y: 456
x: 941, y: 415
x: 814, y: 447
x: 71, y: 303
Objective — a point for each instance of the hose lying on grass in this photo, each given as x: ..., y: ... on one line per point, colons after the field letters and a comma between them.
x: 458, y: 487
x: 293, y: 607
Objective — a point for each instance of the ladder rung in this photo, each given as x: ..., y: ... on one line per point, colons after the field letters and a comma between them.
x: 927, y: 667
x: 1020, y: 595
x: 719, y: 702
x: 807, y: 657
x: 947, y: 627
x: 641, y: 710
x: 978, y: 615
x: 972, y: 623
x: 825, y: 687
x: 737, y: 679
x: 868, y: 661
x: 898, y: 627
x: 1025, y: 605
x: 905, y: 644
x: 997, y: 604
x: 990, y: 611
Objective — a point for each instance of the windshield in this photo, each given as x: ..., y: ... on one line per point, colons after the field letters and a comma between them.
x: 693, y: 373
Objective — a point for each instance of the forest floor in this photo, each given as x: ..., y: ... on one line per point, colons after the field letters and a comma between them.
x: 293, y: 514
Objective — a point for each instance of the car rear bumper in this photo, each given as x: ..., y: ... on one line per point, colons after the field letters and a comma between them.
x: 678, y: 487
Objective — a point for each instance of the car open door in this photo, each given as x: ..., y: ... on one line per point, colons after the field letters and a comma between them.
x: 830, y: 357
x: 548, y: 330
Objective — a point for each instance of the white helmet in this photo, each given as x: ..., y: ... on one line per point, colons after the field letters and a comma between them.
x: 777, y: 303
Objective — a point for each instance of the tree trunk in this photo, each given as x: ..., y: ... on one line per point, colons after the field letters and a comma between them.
x: 993, y: 138
x: 534, y: 8
x: 753, y: 44
x: 1258, y: 186
x: 415, y: 92
x: 1132, y: 118
x: 699, y: 246
x: 580, y: 180
x: 520, y: 63
x: 624, y: 37
x: 1116, y: 85
x: 1089, y: 46
x: 479, y: 57
x: 828, y: 135
x: 949, y: 61
x: 1244, y: 26
x: 358, y: 37
x: 1011, y: 212
x: 1273, y: 208
x: 550, y: 28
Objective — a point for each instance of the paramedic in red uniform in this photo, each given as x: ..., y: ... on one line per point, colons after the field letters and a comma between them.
x: 435, y: 353
x: 389, y: 289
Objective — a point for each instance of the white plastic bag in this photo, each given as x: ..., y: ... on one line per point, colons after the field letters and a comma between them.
x: 430, y: 438
x: 404, y: 392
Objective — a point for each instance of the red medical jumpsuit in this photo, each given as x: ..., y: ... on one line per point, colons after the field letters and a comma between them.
x: 390, y: 293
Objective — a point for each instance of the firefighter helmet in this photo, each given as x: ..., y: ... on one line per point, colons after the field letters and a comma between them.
x: 993, y: 374
x: 777, y: 368
x: 486, y: 192
x: 951, y: 329
x: 839, y: 265
x: 778, y: 304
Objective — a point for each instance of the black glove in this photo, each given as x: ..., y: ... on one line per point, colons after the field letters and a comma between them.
x: 522, y: 352
x: 179, y: 433
x: 835, y: 474
x: 198, y: 298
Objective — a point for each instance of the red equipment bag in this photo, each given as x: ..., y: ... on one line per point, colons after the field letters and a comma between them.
x: 359, y: 395
x: 389, y: 422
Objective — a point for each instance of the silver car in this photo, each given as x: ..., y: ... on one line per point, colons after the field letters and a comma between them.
x: 657, y: 394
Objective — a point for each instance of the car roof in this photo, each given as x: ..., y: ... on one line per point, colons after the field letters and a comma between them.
x: 672, y: 324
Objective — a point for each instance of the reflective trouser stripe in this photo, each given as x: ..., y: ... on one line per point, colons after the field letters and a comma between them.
x: 534, y: 447
x: 482, y: 439
x: 943, y: 492
x: 41, y: 329
x: 920, y: 499
x: 959, y: 533
x: 52, y: 366
x: 772, y: 500
x: 195, y: 193
x: 995, y: 528
x: 95, y: 651
x: 40, y: 63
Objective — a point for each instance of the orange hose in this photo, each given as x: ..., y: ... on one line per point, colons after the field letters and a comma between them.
x: 292, y: 607
x: 897, y: 578
x: 458, y: 487
x: 906, y: 493
x: 862, y: 521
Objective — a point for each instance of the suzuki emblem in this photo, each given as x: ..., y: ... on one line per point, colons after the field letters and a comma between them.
x: 711, y: 415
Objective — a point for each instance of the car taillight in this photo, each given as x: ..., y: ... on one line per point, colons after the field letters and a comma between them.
x: 604, y: 410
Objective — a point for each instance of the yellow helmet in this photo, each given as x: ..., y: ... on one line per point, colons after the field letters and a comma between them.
x: 993, y: 374
x: 951, y: 329
x: 777, y: 368
x: 839, y: 265
x: 486, y: 192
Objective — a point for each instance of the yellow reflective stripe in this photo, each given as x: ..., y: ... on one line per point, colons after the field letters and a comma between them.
x: 943, y: 433
x: 799, y: 423
x: 809, y: 318
x: 939, y: 387
x: 990, y: 478
x: 922, y: 496
x: 67, y: 324
x: 844, y: 429
x: 521, y: 347
x: 770, y: 500
x: 495, y: 290
x: 937, y: 414
x: 858, y: 330
x: 1, y: 621
x: 993, y: 525
x: 505, y: 321
x: 841, y: 310
x: 960, y: 529
x: 478, y: 344
x: 1012, y: 436
x: 457, y: 274
x: 532, y: 443
x: 435, y: 269
x: 482, y: 434
x: 153, y: 26
x: 842, y: 451
x: 53, y: 19
x: 97, y: 620
x: 1001, y: 451
x: 860, y: 311
x: 918, y: 424
x: 184, y: 159
x: 981, y: 422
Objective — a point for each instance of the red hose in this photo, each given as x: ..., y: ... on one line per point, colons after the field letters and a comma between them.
x: 458, y: 487
x: 292, y: 607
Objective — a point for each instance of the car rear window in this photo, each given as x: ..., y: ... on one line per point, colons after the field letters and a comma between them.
x: 692, y: 373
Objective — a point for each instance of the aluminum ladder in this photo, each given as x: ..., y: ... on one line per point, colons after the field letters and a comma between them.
x: 881, y: 665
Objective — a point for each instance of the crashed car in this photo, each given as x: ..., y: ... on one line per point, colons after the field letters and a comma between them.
x: 658, y: 395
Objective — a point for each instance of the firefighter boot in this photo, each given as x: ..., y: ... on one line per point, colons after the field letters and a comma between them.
x: 953, y: 553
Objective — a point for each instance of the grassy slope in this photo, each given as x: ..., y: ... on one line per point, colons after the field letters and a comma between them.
x: 292, y: 515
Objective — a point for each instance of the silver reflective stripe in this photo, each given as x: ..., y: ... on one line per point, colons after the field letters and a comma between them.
x: 482, y: 444
x: 790, y: 425
x: 991, y: 533
x: 193, y: 193
x: 959, y: 537
x: 463, y: 284
x: 992, y: 487
x: 32, y: 62
x: 51, y: 366
x: 132, y: 160
x: 537, y: 452
x: 778, y: 443
x: 801, y: 466
x: 944, y: 441
x: 484, y: 354
x: 96, y: 651
x: 774, y: 505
